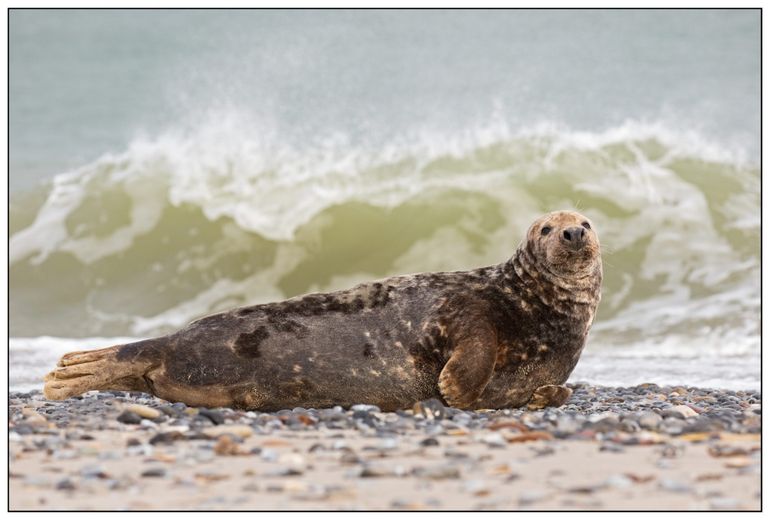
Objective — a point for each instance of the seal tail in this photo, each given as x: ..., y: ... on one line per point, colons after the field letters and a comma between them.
x: 121, y: 367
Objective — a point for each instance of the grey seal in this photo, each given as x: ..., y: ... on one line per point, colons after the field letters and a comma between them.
x: 505, y: 335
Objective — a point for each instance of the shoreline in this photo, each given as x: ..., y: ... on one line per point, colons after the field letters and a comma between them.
x: 734, y: 368
x: 640, y: 448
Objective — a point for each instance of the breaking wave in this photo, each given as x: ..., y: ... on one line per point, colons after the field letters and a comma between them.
x: 139, y: 243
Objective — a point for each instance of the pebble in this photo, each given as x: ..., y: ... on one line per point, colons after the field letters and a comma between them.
x: 65, y: 454
x: 269, y: 455
x: 494, y: 440
x: 168, y: 437
x: 33, y: 418
x: 143, y: 450
x: 437, y: 472
x: 225, y: 445
x: 672, y: 426
x: 284, y: 472
x: 671, y: 451
x: 629, y: 425
x: 477, y: 488
x: 237, y: 430
x: 143, y: 411
x: 618, y: 481
x: 340, y: 445
x: 349, y: 457
x: 462, y: 418
x: 542, y: 451
x: 93, y: 472
x: 214, y: 416
x: 388, y: 444
x: 586, y: 488
x: 679, y: 412
x: 649, y: 420
x: 128, y: 417
x: 432, y: 410
x: 674, y: 486
x: 567, y: 425
x: 368, y: 408
x: 607, y: 423
x: 154, y: 472
x: 376, y: 471
x: 725, y: 450
x: 438, y: 429
x: 66, y: 485
x: 170, y: 411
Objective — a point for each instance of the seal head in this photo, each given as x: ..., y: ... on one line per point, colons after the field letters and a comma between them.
x: 564, y: 244
x: 559, y: 261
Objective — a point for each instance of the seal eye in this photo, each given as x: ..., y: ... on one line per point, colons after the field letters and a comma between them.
x: 545, y: 230
x: 586, y: 225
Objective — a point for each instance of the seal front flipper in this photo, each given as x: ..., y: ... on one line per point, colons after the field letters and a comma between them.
x: 549, y: 395
x: 122, y: 367
x: 470, y: 365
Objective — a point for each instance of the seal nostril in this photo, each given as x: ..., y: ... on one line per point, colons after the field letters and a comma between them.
x: 575, y: 236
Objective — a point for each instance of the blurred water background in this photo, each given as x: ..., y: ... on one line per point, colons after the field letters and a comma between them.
x: 167, y: 164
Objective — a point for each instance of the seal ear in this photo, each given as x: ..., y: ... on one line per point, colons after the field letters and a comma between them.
x: 470, y: 367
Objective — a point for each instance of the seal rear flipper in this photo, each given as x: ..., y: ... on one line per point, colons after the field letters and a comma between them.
x: 102, y: 369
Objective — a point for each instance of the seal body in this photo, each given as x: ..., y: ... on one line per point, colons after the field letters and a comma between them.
x: 485, y: 338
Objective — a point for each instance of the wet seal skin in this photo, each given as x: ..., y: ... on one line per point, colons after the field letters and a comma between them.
x: 506, y: 335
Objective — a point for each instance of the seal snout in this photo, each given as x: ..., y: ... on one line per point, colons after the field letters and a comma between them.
x: 575, y: 237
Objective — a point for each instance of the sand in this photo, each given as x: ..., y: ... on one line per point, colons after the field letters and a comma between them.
x: 71, y: 456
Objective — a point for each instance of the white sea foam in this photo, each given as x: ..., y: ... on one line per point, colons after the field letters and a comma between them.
x: 706, y: 371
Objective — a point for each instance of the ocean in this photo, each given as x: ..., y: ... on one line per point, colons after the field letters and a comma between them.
x: 167, y: 164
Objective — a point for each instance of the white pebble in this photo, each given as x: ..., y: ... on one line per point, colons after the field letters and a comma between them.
x: 618, y: 481
x: 685, y: 410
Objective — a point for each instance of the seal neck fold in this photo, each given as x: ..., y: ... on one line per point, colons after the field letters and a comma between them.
x: 556, y: 290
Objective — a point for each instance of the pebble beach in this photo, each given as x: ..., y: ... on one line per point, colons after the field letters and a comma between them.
x: 646, y: 447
